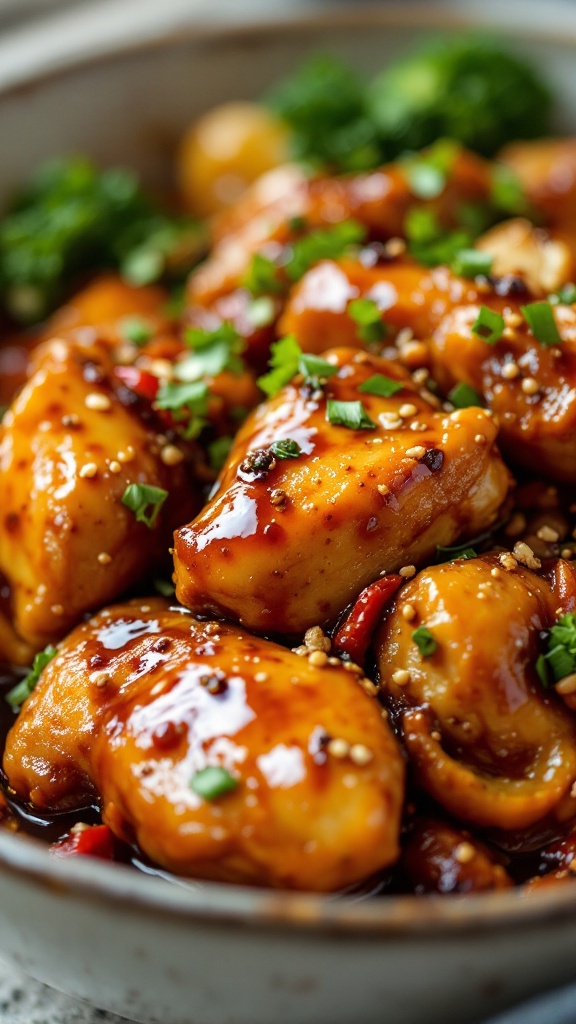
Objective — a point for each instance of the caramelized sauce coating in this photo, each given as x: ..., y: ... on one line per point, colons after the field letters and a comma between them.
x: 441, y: 858
x: 68, y: 450
x: 288, y: 545
x: 485, y: 739
x: 142, y: 698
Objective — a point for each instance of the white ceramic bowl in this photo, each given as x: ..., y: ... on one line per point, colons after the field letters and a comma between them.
x: 174, y: 953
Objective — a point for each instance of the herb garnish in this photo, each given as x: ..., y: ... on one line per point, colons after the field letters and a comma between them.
x: 348, y: 414
x: 191, y: 398
x: 472, y: 263
x: 463, y: 396
x: 261, y: 278
x: 286, y: 449
x: 145, y: 502
x: 450, y: 554
x: 283, y: 363
x: 488, y: 325
x: 380, y: 385
x: 323, y: 244
x: 135, y: 330
x: 367, y: 315
x: 540, y: 318
x: 18, y: 694
x: 424, y: 641
x: 560, y: 658
x: 213, y: 782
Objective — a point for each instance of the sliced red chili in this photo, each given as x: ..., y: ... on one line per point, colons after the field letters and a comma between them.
x: 95, y: 841
x: 139, y: 381
x: 354, y: 636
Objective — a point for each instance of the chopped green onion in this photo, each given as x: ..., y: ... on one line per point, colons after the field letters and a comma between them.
x: 462, y: 396
x: 540, y: 318
x: 261, y: 312
x: 424, y: 641
x: 367, y: 315
x: 135, y: 330
x: 192, y: 396
x: 472, y: 263
x: 348, y: 414
x: 286, y: 449
x: 218, y: 452
x: 566, y: 295
x: 560, y: 657
x: 164, y: 587
x: 450, y: 554
x: 213, y: 782
x: 145, y: 502
x: 323, y: 244
x: 380, y: 385
x: 315, y: 369
x: 488, y: 325
x: 18, y: 694
x: 261, y: 277
x: 284, y: 362
x: 507, y: 192
x: 542, y: 670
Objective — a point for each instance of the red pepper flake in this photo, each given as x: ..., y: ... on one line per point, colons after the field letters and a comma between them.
x: 141, y: 382
x: 94, y: 841
x: 354, y: 636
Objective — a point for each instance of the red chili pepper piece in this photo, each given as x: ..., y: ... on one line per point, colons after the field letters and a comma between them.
x: 96, y: 841
x: 142, y: 383
x: 354, y: 636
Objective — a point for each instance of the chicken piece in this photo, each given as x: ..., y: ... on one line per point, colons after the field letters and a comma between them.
x: 518, y: 247
x: 530, y: 386
x: 140, y: 701
x: 287, y: 543
x: 109, y: 305
x: 546, y: 169
x: 285, y: 206
x: 441, y: 858
x: 68, y: 451
x: 484, y: 737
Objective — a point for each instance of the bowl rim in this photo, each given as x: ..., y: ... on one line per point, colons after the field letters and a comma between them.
x: 93, y: 881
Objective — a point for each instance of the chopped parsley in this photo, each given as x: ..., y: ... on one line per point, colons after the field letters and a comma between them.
x: 559, y: 660
x: 348, y: 414
x: 316, y: 370
x: 261, y: 278
x: 380, y: 385
x: 136, y: 330
x: 540, y: 318
x: 463, y: 396
x: 212, y: 353
x: 145, y: 502
x: 488, y: 325
x: 322, y: 244
x: 26, y: 686
x: 286, y: 449
x: 186, y: 398
x: 367, y: 315
x: 283, y: 363
x: 213, y: 782
x: 424, y: 641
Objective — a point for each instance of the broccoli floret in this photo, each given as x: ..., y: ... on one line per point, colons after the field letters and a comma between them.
x: 467, y: 89
x: 73, y: 218
x: 323, y: 103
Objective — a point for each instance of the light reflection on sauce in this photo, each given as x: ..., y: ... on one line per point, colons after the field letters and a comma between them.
x: 282, y: 767
x: 238, y: 518
x: 122, y: 631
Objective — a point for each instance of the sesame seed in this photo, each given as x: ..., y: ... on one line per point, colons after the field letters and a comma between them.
x: 383, y: 489
x: 495, y: 572
x: 479, y: 439
x: 100, y: 679
x: 360, y: 754
x: 318, y: 659
x: 88, y: 470
x: 408, y: 612
x: 407, y: 410
x: 277, y: 496
x: 301, y: 651
x: 464, y: 853
x: 407, y: 571
x: 171, y: 455
x: 436, y: 736
x: 97, y: 402
x: 421, y: 375
x: 384, y: 713
x: 211, y: 627
x: 547, y: 534
x: 369, y: 687
x: 160, y: 367
x: 413, y: 352
x: 513, y: 319
x: 335, y: 662
x: 57, y: 609
x: 510, y: 371
x: 338, y: 748
x: 104, y: 558
x: 127, y: 455
x: 316, y: 639
x: 530, y: 386
x: 395, y: 247
x: 567, y: 553
x: 115, y: 467
x: 417, y: 452
x: 351, y: 666
x: 566, y: 685
x: 507, y: 561
x: 524, y: 554
x: 401, y: 677
x: 261, y: 677
x: 389, y: 421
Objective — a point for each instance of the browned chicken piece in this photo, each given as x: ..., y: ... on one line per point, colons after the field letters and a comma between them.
x: 439, y: 857
x: 485, y: 739
x: 111, y: 305
x: 518, y: 247
x: 139, y: 702
x: 270, y: 216
x: 530, y: 386
x: 546, y: 168
x: 286, y: 544
x: 68, y: 451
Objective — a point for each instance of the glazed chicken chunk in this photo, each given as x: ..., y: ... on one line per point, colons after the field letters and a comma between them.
x: 287, y: 543
x: 218, y: 753
x: 69, y: 449
x: 485, y: 739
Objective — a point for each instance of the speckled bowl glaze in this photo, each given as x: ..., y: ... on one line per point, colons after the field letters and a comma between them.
x: 186, y: 953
